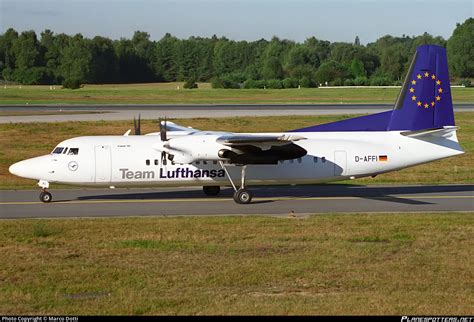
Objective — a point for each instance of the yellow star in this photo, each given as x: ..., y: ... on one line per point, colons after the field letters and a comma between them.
x: 413, y: 82
x: 412, y: 90
x: 433, y: 76
x: 438, y: 82
x: 418, y: 76
x: 438, y: 98
x: 427, y: 74
x: 426, y: 105
x: 440, y: 90
x: 432, y: 103
x: 413, y: 98
x: 419, y: 103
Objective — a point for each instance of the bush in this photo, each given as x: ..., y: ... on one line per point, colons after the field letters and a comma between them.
x: 349, y: 82
x: 290, y: 83
x: 337, y: 82
x: 72, y: 83
x: 361, y: 81
x: 190, y: 84
x: 397, y: 83
x: 380, y: 81
x: 252, y: 83
x: 465, y: 82
x: 305, y: 82
x: 274, y: 84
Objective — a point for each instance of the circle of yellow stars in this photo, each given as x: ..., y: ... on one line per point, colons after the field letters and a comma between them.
x: 439, y: 89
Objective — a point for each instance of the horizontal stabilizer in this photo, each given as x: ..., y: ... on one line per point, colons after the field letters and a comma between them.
x: 440, y: 132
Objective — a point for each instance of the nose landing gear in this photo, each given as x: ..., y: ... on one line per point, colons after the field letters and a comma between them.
x: 45, y: 196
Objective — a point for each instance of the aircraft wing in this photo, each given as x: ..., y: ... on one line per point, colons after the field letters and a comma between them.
x: 260, y: 149
x: 189, y: 145
x: 255, y: 139
x: 170, y: 126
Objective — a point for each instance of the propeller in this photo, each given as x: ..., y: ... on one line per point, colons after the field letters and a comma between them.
x: 137, y: 125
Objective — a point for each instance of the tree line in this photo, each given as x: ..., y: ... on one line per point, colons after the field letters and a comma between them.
x: 53, y: 58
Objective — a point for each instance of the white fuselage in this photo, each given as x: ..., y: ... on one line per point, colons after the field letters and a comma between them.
x: 133, y: 161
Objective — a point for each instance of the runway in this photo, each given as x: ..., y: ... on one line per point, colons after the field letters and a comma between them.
x: 128, y: 112
x: 272, y: 200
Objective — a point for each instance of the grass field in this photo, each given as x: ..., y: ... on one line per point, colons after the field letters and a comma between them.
x: 400, y: 264
x: 168, y: 94
x: 21, y: 141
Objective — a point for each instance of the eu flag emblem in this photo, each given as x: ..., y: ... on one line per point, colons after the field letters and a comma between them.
x: 422, y: 94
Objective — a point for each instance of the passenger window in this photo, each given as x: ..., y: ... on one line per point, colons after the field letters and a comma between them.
x: 215, y: 162
x: 292, y: 161
x: 73, y: 151
x: 315, y: 159
x: 204, y: 162
x: 299, y: 160
x: 197, y: 162
x: 323, y: 159
x: 147, y: 162
x: 58, y: 150
x: 156, y: 161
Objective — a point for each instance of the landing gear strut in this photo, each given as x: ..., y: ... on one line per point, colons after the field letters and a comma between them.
x: 241, y: 195
x: 44, y: 196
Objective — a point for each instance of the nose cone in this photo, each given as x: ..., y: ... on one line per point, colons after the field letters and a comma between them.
x: 17, y: 168
x: 35, y: 168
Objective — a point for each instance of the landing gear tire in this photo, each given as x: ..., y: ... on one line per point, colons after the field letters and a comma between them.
x: 242, y: 196
x: 211, y: 190
x: 45, y: 196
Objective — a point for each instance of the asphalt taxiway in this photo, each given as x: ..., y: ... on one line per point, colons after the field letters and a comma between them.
x: 128, y: 112
x: 273, y: 200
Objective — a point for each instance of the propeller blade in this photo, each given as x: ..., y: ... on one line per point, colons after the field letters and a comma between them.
x: 163, y: 135
x: 137, y: 125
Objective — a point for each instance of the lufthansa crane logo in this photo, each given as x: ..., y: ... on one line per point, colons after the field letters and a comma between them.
x: 426, y: 101
x: 73, y: 165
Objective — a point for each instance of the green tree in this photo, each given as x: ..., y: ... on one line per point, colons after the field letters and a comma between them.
x: 357, y: 68
x: 460, y: 49
x: 76, y: 62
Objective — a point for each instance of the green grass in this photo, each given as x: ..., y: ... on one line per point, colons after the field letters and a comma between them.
x: 22, y: 141
x: 400, y: 264
x: 168, y: 94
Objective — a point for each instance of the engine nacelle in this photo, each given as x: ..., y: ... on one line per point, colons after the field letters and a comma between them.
x: 192, y: 148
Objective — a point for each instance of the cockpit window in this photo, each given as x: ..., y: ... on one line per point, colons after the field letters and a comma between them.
x: 65, y: 150
x: 58, y: 150
x: 73, y: 151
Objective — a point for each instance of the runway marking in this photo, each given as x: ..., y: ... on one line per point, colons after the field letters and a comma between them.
x: 103, y: 201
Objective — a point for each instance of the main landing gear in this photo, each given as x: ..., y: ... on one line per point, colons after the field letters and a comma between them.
x: 241, y: 195
x: 45, y: 196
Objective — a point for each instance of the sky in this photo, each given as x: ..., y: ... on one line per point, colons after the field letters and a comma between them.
x: 337, y: 20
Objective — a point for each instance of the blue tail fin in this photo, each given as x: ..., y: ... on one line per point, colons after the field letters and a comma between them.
x: 425, y: 99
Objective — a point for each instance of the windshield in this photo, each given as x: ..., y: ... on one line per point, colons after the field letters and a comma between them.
x: 58, y: 150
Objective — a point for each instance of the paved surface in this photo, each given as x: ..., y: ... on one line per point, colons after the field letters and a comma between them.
x: 127, y: 112
x: 273, y: 200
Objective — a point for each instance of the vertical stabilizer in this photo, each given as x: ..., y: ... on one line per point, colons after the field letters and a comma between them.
x: 425, y: 99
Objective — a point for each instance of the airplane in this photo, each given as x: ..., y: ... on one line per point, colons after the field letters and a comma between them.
x: 419, y: 129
